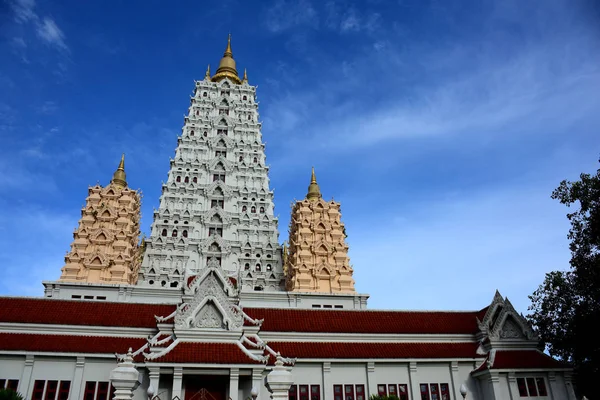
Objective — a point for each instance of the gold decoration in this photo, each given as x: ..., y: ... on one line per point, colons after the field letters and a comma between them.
x: 119, y: 175
x: 314, y: 193
x: 227, y: 66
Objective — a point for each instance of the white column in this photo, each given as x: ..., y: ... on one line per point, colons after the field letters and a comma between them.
x: 327, y: 384
x: 494, y: 382
x: 234, y: 383
x: 257, y: 381
x: 414, y: 384
x: 77, y: 379
x: 455, y: 379
x: 25, y: 381
x: 512, y: 386
x: 553, y: 386
x: 372, y: 385
x: 570, y: 389
x: 177, y: 382
x: 154, y: 375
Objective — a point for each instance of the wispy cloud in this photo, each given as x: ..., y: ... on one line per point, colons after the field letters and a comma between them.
x: 285, y: 14
x: 51, y: 34
x: 45, y: 27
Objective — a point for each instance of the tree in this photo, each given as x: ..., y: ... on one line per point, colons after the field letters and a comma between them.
x: 565, y: 309
x: 7, y: 394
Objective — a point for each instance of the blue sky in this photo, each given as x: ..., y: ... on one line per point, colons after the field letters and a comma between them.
x: 442, y: 127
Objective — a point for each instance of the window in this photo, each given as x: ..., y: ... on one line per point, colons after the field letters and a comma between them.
x: 392, y: 390
x: 195, y: 180
x: 531, y: 387
x: 174, y: 233
x: 219, y: 177
x: 253, y: 209
x: 269, y: 268
x: 348, y: 392
x: 223, y: 112
x: 241, y: 158
x: 164, y: 232
x: 51, y: 390
x: 244, y: 98
x: 244, y: 208
x: 184, y: 234
x: 360, y: 392
x: 337, y: 392
x: 257, y: 268
x: 222, y: 132
x: 204, y: 94
x: 303, y: 392
x: 217, y: 203
x: 178, y: 179
x: 220, y: 153
x: 315, y: 392
x: 262, y: 210
x: 293, y: 392
x: 215, y: 231
x: 10, y: 384
x: 187, y: 179
x: 435, y: 390
x: 205, y: 134
x: 381, y: 390
x: 255, y: 160
x: 98, y: 391
x: 403, y: 392
x: 247, y: 267
x: 192, y: 132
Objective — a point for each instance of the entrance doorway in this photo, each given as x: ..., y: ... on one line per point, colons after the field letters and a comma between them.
x: 206, y: 387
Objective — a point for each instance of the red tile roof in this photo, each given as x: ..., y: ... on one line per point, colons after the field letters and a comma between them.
x: 68, y: 343
x: 364, y: 321
x: 375, y: 350
x: 208, y: 353
x: 78, y: 312
x: 513, y: 359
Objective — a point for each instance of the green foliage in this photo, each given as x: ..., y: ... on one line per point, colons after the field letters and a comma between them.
x: 566, y: 307
x: 380, y: 397
x: 7, y: 394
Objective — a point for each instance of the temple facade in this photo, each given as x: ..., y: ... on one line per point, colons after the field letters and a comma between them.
x: 211, y: 307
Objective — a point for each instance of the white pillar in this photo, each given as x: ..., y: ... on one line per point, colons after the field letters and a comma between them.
x: 371, y: 384
x: 77, y: 379
x: 494, y: 383
x: 177, y: 382
x: 455, y: 379
x: 570, y: 389
x: 414, y: 384
x: 124, y: 378
x: 154, y: 375
x: 279, y: 381
x: 327, y: 384
x: 25, y: 381
x: 553, y: 386
x: 234, y: 383
x: 512, y: 386
x: 257, y: 381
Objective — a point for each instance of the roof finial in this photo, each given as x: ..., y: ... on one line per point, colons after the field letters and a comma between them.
x: 207, y: 75
x: 314, y: 193
x: 119, y: 175
x: 245, y: 78
x: 227, y: 66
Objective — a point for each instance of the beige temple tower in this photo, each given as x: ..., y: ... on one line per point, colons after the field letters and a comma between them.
x: 317, y: 259
x: 105, y: 246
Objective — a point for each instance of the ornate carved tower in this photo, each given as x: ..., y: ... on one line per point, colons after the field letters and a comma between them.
x: 105, y: 247
x: 216, y: 203
x: 318, y: 256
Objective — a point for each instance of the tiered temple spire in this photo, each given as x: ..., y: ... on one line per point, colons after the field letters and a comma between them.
x: 317, y: 260
x: 105, y: 247
x: 216, y: 203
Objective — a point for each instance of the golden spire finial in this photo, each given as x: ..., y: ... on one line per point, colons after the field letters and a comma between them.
x: 119, y: 175
x: 207, y: 75
x: 314, y: 193
x: 245, y: 78
x: 227, y: 66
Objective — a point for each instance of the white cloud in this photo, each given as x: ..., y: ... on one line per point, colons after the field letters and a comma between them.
x: 50, y: 33
x: 283, y: 15
x: 24, y: 10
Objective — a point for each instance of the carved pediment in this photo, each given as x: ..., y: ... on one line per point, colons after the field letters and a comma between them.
x: 224, y: 188
x: 215, y: 239
x: 212, y: 306
x: 501, y: 321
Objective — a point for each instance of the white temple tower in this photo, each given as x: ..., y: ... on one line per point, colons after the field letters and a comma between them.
x: 217, y: 202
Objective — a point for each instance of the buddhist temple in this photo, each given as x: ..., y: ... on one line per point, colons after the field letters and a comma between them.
x: 211, y: 306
